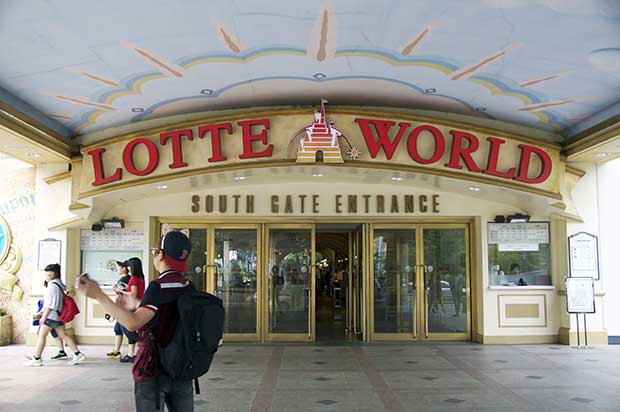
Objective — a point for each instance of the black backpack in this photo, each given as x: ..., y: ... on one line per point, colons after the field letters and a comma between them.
x: 198, y: 335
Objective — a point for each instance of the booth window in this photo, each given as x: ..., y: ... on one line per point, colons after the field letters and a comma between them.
x: 519, y: 254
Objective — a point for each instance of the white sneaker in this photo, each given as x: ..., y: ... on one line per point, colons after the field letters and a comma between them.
x: 34, y: 362
x: 77, y: 359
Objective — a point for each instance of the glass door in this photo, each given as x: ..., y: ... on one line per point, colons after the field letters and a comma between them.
x: 290, y: 282
x: 233, y: 260
x: 445, y: 267
x: 393, y: 283
x: 420, y: 282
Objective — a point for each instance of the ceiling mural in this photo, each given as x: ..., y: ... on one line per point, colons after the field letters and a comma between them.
x: 547, y: 64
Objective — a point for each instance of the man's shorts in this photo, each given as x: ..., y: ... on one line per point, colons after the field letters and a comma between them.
x: 53, y: 324
x: 120, y: 330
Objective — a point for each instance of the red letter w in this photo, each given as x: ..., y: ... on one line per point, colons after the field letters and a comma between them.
x: 382, y: 127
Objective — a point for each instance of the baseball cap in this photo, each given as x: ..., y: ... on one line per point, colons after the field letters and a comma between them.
x: 123, y: 263
x: 176, y: 247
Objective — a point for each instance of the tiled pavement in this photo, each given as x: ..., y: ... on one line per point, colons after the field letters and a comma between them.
x: 370, y: 377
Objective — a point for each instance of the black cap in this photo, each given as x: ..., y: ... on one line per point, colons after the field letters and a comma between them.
x: 176, y: 247
x: 124, y: 263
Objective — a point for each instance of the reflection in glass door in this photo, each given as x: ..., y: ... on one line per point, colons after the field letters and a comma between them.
x: 197, y: 261
x: 290, y: 282
x: 394, y: 293
x: 446, y: 264
x: 235, y: 258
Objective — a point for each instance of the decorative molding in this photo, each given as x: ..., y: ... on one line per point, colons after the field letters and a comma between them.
x: 63, y: 224
x: 50, y: 180
x: 519, y: 339
x: 77, y: 206
x: 571, y: 170
x: 597, y: 337
x: 592, y: 137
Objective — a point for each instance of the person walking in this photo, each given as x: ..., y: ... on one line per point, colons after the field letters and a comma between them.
x: 52, y: 306
x: 154, y: 321
x: 62, y: 354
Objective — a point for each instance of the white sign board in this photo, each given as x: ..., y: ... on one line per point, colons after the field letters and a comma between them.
x: 580, y: 295
x: 583, y: 255
x: 116, y: 239
x: 49, y: 252
x: 519, y: 233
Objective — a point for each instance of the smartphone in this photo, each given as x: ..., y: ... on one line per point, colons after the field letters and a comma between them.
x: 84, y: 278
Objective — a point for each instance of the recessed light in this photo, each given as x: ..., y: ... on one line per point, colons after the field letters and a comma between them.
x: 430, y: 91
x: 474, y: 188
x: 137, y: 110
x: 319, y: 76
x: 398, y: 179
x: 208, y: 92
x: 602, y: 154
x: 239, y: 177
x: 481, y: 109
x: 317, y: 175
x: 33, y: 155
x: 162, y: 187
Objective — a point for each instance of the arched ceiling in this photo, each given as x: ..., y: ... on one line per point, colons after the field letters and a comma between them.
x: 83, y: 66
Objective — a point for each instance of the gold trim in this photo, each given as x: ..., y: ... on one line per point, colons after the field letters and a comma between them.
x: 78, y: 206
x: 243, y: 114
x: 8, y: 239
x: 575, y: 171
x: 544, y: 312
x: 37, y: 134
x: 64, y: 223
x: 58, y: 177
x: 291, y: 162
x: 593, y: 136
x: 519, y: 339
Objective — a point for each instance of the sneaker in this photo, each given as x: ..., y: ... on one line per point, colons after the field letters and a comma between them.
x: 113, y: 355
x: 34, y: 362
x: 127, y: 359
x: 77, y: 359
x: 59, y: 355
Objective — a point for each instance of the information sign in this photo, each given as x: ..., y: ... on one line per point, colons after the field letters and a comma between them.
x: 519, y: 233
x: 117, y: 239
x: 580, y: 295
x: 583, y: 255
x: 49, y: 252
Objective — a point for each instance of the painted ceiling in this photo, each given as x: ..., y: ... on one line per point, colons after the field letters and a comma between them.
x: 84, y: 66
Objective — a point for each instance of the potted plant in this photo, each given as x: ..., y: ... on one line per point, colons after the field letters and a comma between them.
x: 6, y: 327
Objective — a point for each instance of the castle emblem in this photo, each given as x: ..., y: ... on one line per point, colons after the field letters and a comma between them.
x: 321, y: 141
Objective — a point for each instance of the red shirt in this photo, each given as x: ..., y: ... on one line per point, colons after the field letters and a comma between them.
x: 137, y: 282
x: 162, y: 325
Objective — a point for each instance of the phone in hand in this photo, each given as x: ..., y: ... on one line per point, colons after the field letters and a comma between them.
x: 84, y: 278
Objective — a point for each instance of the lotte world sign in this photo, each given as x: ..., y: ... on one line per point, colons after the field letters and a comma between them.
x: 355, y: 137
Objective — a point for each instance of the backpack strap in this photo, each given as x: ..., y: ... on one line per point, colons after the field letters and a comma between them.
x: 63, y: 296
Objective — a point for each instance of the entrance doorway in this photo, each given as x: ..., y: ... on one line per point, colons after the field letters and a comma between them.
x: 338, y: 281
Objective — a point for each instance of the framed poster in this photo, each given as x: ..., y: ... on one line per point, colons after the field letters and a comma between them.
x: 580, y: 295
x: 583, y: 255
x: 50, y: 251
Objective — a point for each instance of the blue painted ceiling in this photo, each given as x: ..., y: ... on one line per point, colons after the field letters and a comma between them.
x: 83, y: 66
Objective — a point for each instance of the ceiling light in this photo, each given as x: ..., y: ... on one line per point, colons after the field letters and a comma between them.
x: 319, y: 76
x: 430, y: 91
x: 317, y: 175
x: 137, y: 110
x: 114, y: 223
x: 207, y: 92
x: 603, y: 154
x: 33, y: 155
x: 239, y: 177
x: 474, y: 188
x: 481, y: 109
x: 162, y: 187
x: 397, y: 179
x: 517, y: 218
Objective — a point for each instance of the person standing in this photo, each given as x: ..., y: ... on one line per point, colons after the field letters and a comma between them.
x: 121, y: 285
x: 155, y: 320
x: 134, y: 293
x: 50, y: 318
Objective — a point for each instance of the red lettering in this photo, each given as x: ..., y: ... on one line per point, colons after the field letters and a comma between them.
x: 412, y: 144
x: 382, y: 127
x: 97, y: 155
x: 177, y: 147
x: 493, y: 159
x: 128, y: 156
x: 249, y: 138
x: 216, y: 147
x: 524, y: 164
x: 459, y: 152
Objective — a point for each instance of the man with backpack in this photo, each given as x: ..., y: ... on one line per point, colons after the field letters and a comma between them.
x: 175, y: 347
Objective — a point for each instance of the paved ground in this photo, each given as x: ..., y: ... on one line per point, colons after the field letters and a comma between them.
x: 372, y: 377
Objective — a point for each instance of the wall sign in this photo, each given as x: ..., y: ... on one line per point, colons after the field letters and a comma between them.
x: 49, y: 252
x: 115, y: 240
x: 580, y: 295
x: 583, y: 255
x: 519, y: 237
x: 305, y: 137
